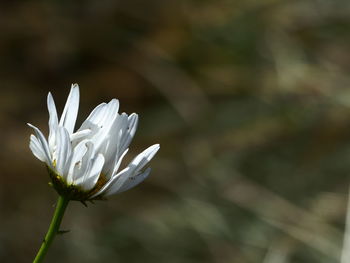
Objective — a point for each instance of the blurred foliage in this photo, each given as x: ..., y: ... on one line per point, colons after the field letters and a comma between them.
x: 249, y: 100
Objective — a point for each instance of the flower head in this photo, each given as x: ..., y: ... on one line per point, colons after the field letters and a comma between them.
x: 84, y: 165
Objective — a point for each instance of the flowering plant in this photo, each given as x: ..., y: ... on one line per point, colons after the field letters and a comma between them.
x: 84, y: 164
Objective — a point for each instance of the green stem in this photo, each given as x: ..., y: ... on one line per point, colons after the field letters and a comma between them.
x: 53, y: 229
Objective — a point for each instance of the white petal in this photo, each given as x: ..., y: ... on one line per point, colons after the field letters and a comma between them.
x: 70, y: 111
x: 36, y: 148
x: 94, y: 117
x: 126, y: 180
x: 105, y: 123
x: 114, y: 183
x: 64, y: 150
x: 110, y: 114
x: 43, y: 144
x: 143, y: 158
x: 121, y: 135
x: 112, y: 171
x: 79, y: 135
x: 81, y: 171
x: 132, y: 182
x: 113, y: 149
x: 93, y: 173
x: 133, y: 169
x: 76, y: 161
x: 53, y: 121
x: 117, y: 164
x: 129, y: 134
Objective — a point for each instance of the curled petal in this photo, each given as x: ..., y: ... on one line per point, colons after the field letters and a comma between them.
x: 93, y: 173
x: 132, y: 170
x: 37, y: 149
x: 43, y: 145
x: 76, y: 160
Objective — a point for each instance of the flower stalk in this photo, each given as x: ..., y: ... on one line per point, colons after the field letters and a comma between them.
x: 53, y: 230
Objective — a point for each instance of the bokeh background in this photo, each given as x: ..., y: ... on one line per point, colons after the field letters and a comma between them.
x: 249, y: 100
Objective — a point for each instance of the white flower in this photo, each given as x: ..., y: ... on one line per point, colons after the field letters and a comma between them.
x: 84, y: 164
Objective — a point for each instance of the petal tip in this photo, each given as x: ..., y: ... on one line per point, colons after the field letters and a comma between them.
x: 156, y: 147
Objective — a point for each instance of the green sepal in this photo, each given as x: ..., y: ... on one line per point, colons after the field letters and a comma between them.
x: 72, y: 192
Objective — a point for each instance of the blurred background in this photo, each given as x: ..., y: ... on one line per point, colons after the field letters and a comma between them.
x: 249, y: 100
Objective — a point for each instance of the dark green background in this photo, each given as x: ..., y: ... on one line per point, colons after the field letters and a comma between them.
x: 249, y: 100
